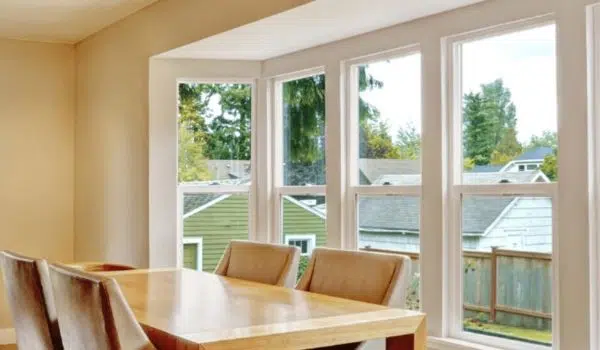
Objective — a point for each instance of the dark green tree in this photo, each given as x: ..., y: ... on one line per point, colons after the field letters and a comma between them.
x: 479, y: 130
x: 547, y: 139
x: 489, y: 124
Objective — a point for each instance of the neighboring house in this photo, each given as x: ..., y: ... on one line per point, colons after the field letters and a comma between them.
x: 530, y: 160
x: 523, y: 223
x: 210, y: 221
x: 385, y: 222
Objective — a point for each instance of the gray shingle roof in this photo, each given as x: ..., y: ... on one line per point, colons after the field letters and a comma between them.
x: 538, y: 153
x: 375, y: 168
x: 468, y: 178
x: 402, y: 213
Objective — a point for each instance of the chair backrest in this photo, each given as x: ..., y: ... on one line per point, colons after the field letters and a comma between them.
x: 363, y: 276
x: 93, y: 313
x: 30, y: 299
x: 273, y: 264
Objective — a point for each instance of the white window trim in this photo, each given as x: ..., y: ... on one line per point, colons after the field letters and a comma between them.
x: 198, y: 242
x: 310, y: 237
x: 457, y: 190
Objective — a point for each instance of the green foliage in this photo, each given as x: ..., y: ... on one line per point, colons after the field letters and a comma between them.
x: 229, y: 131
x: 508, y: 148
x: 547, y: 139
x: 409, y: 142
x: 302, y: 266
x: 192, y: 164
x: 549, y: 167
x: 377, y: 142
x: 479, y: 139
x: 468, y: 163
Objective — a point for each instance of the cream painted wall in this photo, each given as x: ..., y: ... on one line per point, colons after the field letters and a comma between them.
x: 111, y: 133
x: 37, y: 110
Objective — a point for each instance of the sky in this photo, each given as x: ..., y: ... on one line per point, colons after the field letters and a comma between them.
x: 525, y: 60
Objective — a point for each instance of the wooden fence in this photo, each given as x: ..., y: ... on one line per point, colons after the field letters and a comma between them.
x: 505, y: 286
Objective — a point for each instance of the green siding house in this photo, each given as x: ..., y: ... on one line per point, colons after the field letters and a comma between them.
x: 211, y: 221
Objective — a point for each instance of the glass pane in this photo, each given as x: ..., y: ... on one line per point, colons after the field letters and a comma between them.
x: 216, y: 219
x: 304, y: 221
x: 392, y: 224
x: 509, y: 108
x: 304, y: 131
x: 214, y: 133
x: 389, y: 112
x: 507, y: 244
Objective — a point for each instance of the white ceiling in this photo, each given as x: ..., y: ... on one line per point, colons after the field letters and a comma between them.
x: 64, y: 21
x: 313, y: 24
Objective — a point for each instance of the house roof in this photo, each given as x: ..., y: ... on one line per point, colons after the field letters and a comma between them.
x: 538, y: 154
x: 402, y: 213
x: 487, y: 178
x: 373, y: 169
x: 486, y: 169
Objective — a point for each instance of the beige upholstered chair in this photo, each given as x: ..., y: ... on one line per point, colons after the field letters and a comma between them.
x: 29, y: 294
x: 260, y: 262
x: 93, y: 313
x: 363, y: 276
x: 100, y: 266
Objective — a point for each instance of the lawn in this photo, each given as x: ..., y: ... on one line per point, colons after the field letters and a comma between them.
x: 533, y: 335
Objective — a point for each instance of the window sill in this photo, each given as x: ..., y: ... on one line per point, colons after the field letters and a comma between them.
x: 436, y: 343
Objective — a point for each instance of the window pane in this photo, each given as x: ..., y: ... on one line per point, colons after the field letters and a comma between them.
x: 304, y: 131
x: 304, y: 224
x: 389, y: 117
x: 509, y: 108
x: 391, y: 223
x: 216, y: 219
x: 512, y: 235
x: 214, y: 132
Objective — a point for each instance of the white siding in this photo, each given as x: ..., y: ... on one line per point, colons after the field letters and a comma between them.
x: 526, y: 226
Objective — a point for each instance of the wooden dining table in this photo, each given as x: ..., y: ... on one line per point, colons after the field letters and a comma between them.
x: 187, y: 309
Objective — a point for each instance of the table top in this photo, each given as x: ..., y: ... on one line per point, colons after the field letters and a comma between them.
x: 218, y: 312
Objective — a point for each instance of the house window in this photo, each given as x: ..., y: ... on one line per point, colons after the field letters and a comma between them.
x: 192, y: 253
x: 306, y: 242
x: 504, y: 268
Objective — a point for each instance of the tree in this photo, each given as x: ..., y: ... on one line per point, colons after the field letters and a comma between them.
x: 549, y: 166
x: 378, y: 143
x: 479, y: 130
x: 408, y: 141
x: 547, y: 139
x: 228, y: 134
x: 508, y: 148
x: 191, y: 161
x: 489, y: 122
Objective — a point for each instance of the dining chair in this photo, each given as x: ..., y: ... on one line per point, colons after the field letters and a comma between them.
x: 370, y: 277
x: 273, y: 264
x: 100, y: 266
x: 29, y: 295
x: 93, y: 313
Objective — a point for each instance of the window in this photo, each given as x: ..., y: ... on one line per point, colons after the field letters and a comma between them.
x: 385, y: 156
x: 192, y: 253
x: 214, y: 169
x: 306, y: 242
x: 504, y: 150
x: 303, y: 114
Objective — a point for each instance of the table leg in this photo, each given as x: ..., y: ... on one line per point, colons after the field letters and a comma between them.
x: 415, y: 341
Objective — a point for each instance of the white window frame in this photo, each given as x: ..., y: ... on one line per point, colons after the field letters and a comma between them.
x: 355, y: 190
x: 457, y: 190
x: 277, y: 135
x: 311, y: 238
x: 249, y: 189
x: 198, y: 242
